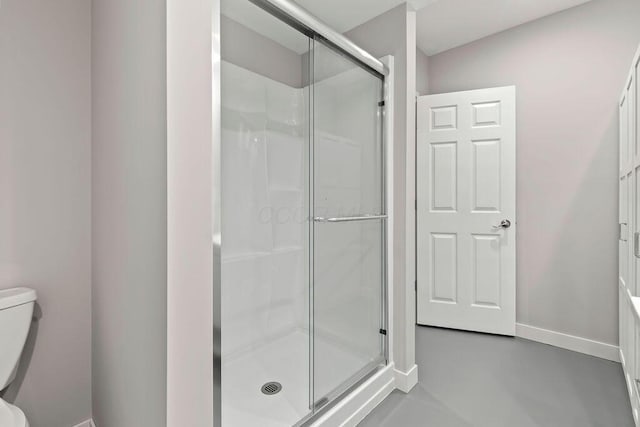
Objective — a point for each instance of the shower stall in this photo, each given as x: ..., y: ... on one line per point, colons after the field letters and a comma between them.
x: 304, y: 216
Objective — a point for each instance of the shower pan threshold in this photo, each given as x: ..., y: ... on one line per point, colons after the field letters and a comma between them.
x: 284, y: 361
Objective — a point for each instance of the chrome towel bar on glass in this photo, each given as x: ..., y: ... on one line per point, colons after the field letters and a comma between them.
x: 350, y: 218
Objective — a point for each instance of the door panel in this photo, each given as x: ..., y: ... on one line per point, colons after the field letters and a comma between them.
x: 631, y: 122
x: 487, y: 278
x: 628, y: 224
x: 630, y: 282
x: 623, y: 243
x: 444, y: 183
x: 635, y: 118
x: 466, y: 188
x: 348, y: 253
x: 631, y: 181
x: 486, y: 176
x: 444, y: 283
x: 624, y: 133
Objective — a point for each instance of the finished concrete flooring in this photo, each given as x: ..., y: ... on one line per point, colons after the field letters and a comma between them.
x: 470, y: 379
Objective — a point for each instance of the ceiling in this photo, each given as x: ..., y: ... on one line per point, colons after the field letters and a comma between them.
x: 445, y: 24
x: 441, y: 24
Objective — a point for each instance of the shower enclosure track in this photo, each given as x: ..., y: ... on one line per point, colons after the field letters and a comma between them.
x: 308, y: 24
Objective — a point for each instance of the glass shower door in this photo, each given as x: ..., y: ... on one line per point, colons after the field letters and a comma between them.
x: 265, y: 339
x: 348, y: 206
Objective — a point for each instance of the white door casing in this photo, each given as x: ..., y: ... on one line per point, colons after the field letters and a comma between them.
x: 466, y: 186
x: 629, y: 180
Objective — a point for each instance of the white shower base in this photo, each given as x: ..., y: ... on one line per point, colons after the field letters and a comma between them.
x: 285, y: 360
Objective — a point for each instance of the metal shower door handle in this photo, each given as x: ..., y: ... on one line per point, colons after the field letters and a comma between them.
x: 351, y: 218
x: 636, y: 244
x: 505, y: 223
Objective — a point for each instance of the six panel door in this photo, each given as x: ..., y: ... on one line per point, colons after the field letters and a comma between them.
x: 466, y: 210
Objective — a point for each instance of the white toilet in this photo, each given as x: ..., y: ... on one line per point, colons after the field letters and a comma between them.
x: 16, y: 309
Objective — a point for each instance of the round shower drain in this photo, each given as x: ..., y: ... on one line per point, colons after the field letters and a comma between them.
x: 271, y: 388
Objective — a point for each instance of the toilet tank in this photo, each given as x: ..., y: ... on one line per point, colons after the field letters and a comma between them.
x: 16, y: 309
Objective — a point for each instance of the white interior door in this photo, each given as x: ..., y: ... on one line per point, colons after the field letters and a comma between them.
x: 466, y: 210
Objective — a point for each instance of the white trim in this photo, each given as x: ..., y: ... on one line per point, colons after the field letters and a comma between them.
x: 569, y: 342
x: 87, y: 423
x: 405, y: 381
x: 389, y: 100
x: 193, y: 220
x: 355, y: 407
x: 408, y: 355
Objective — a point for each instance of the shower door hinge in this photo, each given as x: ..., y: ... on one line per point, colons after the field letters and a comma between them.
x: 381, y: 104
x: 383, y: 331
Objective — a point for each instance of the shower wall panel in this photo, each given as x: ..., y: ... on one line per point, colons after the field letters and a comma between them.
x: 264, y: 274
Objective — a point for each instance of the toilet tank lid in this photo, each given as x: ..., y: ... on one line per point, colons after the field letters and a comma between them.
x: 16, y: 296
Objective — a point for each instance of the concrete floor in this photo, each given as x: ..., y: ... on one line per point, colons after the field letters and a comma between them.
x: 469, y: 379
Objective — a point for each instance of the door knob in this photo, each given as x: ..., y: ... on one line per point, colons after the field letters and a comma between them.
x: 505, y: 223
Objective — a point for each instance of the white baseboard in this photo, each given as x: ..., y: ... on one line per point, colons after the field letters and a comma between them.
x: 355, y: 407
x: 405, y: 381
x: 569, y: 342
x: 88, y: 423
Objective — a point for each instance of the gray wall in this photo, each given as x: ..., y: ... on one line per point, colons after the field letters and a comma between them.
x: 129, y: 164
x: 252, y: 51
x: 45, y: 200
x: 391, y: 34
x: 569, y: 69
x: 422, y: 72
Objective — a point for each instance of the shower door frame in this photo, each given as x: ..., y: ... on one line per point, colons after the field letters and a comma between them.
x: 301, y: 20
x: 353, y: 384
x: 320, y: 405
